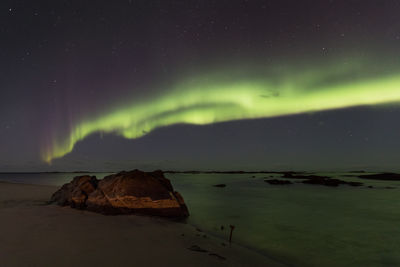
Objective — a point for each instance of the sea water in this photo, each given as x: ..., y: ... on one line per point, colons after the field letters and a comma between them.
x: 297, y: 224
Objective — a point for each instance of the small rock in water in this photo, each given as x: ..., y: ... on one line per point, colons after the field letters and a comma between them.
x: 354, y: 183
x: 216, y: 255
x: 278, y: 182
x: 197, y: 249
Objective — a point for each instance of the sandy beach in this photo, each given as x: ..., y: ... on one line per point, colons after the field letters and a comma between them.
x: 33, y: 233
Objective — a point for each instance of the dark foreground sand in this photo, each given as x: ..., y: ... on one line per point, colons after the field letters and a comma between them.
x: 35, y: 234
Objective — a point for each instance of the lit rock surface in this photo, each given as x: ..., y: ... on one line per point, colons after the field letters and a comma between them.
x: 76, y: 192
x: 133, y: 192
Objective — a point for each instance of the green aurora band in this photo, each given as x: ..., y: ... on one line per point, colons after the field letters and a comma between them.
x: 210, y: 100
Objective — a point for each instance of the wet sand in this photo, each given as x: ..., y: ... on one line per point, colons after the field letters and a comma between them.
x: 33, y: 233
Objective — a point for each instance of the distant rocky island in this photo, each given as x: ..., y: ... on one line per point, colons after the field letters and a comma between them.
x: 311, y: 179
x: 132, y: 192
x: 231, y: 172
x: 388, y: 176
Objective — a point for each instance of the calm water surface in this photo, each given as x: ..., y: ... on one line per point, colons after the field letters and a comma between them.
x: 301, y: 225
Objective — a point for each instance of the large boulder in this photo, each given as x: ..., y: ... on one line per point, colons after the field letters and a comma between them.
x: 134, y: 192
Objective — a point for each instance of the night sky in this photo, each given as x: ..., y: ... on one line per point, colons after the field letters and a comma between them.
x: 226, y: 85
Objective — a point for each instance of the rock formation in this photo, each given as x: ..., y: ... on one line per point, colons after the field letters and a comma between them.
x: 219, y: 185
x: 329, y: 182
x: 133, y: 192
x: 76, y: 192
x: 381, y: 176
x: 278, y: 182
x: 319, y: 180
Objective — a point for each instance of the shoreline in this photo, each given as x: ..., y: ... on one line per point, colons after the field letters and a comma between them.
x: 36, y: 234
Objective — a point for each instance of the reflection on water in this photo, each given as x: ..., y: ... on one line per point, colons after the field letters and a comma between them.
x: 303, y: 225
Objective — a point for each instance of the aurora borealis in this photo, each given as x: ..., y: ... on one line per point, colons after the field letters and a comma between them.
x: 201, y: 103
x: 249, y: 84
